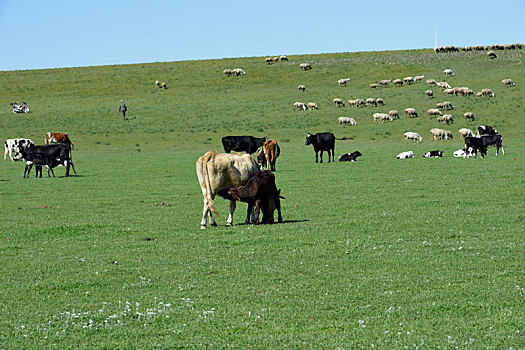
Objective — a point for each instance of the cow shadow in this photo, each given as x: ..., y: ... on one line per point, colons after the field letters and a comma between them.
x: 274, y: 223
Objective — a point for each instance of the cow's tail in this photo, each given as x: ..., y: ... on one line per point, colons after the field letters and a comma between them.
x: 208, y: 157
x: 345, y: 138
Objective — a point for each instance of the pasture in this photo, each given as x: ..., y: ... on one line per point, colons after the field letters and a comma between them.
x: 379, y: 253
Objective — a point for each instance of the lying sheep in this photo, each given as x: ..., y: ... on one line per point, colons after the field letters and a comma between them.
x: 459, y: 153
x: 405, y: 155
x: 305, y: 66
x: 433, y: 111
x: 443, y: 85
x: 394, y: 114
x: 398, y: 82
x: 346, y: 120
x: 491, y: 54
x: 300, y: 105
x: 342, y: 82
x: 431, y: 82
x: 429, y: 93
x: 409, y: 135
x: 338, y: 102
x: 371, y: 101
x: 507, y: 82
x: 469, y: 116
x: 464, y: 132
x: 411, y: 112
x: 449, y: 72
x: 373, y: 86
x: 312, y: 105
x: 409, y: 80
x: 487, y: 93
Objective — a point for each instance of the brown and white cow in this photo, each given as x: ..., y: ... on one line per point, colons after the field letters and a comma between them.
x: 217, y: 171
x: 267, y: 155
x: 58, y: 137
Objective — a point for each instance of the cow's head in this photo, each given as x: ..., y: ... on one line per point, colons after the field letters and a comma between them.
x: 309, y: 139
x: 231, y: 194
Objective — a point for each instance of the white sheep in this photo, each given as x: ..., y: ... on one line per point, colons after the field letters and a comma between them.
x: 491, y: 55
x: 433, y: 111
x: 157, y: 84
x: 238, y: 71
x: 487, y: 93
x: 429, y: 93
x: 301, y: 87
x: 409, y: 135
x: 385, y: 82
x: 411, y: 112
x: 443, y: 85
x: 398, y: 82
x: 269, y: 60
x: 338, y: 102
x: 507, y: 82
x: 312, y: 105
x: 449, y: 72
x: 226, y: 72
x: 469, y: 116
x: 342, y: 82
x: 444, y: 105
x: 346, y: 120
x: 419, y: 78
x: 431, y: 82
x: 300, y: 105
x: 394, y: 114
x: 283, y: 58
x: 380, y: 101
x: 305, y: 66
x: 409, y: 80
x: 464, y: 132
x: 373, y: 86
x: 164, y: 86
x: 405, y: 155
x: 371, y: 101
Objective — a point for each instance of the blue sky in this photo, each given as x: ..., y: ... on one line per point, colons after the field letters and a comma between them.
x: 71, y: 33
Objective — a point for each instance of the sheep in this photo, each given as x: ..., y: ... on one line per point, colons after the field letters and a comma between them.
x: 394, y: 114
x: 227, y: 72
x: 276, y: 59
x: 411, y: 112
x: 450, y: 91
x: 283, y: 58
x: 157, y: 84
x: 360, y: 102
x: 443, y: 85
x: 305, y: 66
x: 371, y: 101
x: 338, y: 102
x: 238, y: 71
x: 433, y: 111
x: 345, y: 121
x: 405, y: 155
x: 487, y: 93
x: 508, y: 82
x: 408, y: 80
x: 464, y: 132
x: 449, y: 72
x: 269, y: 60
x: 385, y: 82
x: 431, y: 82
x: 300, y: 105
x: 444, y: 105
x: 379, y: 101
x: 382, y: 117
x: 301, y: 87
x: 491, y: 55
x: 409, y: 135
x: 164, y: 86
x: 445, y: 118
x: 342, y: 82
x: 459, y: 153
x: 469, y: 116
x: 373, y: 86
x: 479, y: 94
x: 419, y: 78
x: 398, y: 82
x: 436, y: 133
x: 464, y: 91
x: 312, y: 105
x: 429, y: 93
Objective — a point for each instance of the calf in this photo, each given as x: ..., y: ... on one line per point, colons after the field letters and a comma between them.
x: 271, y: 151
x: 350, y: 157
x: 473, y: 145
x: 49, y: 156
x: 248, y: 144
x: 260, y: 192
x: 433, y: 154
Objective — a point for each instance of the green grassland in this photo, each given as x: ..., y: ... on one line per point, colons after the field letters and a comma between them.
x: 382, y: 253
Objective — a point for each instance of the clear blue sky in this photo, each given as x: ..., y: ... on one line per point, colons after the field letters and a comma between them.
x: 71, y: 33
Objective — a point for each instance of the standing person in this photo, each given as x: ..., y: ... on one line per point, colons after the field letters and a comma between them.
x: 123, y: 109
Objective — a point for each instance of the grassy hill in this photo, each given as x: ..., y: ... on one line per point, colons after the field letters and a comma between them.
x: 378, y: 253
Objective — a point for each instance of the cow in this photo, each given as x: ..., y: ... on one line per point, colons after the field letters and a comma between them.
x: 350, y: 157
x: 268, y: 154
x: 260, y: 192
x: 460, y: 153
x: 323, y: 141
x: 486, y: 130
x: 58, y: 137
x: 473, y: 145
x: 433, y: 154
x: 13, y: 146
x: 493, y: 140
x: 405, y: 155
x: 248, y: 144
x: 49, y: 156
x: 218, y: 171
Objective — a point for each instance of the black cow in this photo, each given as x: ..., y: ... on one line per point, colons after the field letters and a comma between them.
x: 249, y: 144
x: 433, y: 154
x: 493, y: 140
x: 260, y: 191
x: 323, y: 141
x: 49, y: 156
x: 350, y: 157
x: 473, y: 145
x: 486, y: 130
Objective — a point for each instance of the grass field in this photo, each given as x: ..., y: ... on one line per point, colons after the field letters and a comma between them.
x: 380, y: 253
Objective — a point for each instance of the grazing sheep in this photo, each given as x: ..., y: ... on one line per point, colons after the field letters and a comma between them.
x: 409, y: 135
x: 431, y: 82
x: 301, y: 87
x: 436, y: 133
x: 411, y: 112
x: 491, y: 55
x: 487, y: 93
x: 379, y: 101
x: 382, y: 117
x: 276, y: 58
x: 445, y: 105
x: 157, y: 84
x: 433, y: 111
x: 283, y: 58
x: 373, y: 86
x: 360, y: 102
x: 479, y: 94
x: 394, y: 114
x: 238, y: 71
x: 405, y: 155
x: 398, y: 82
x: 409, y: 80
x: 268, y: 60
x: 463, y: 91
x: 371, y: 101
x: 443, y: 85
x: 507, y: 82
x: 449, y: 72
x: 345, y: 121
x: 305, y: 66
x: 447, y: 118
x: 227, y: 72
x: 450, y: 91
x: 338, y: 102
x: 419, y: 78
x: 464, y: 132
x: 429, y: 93
x: 469, y: 116
x: 300, y: 105
x: 312, y: 105
x: 385, y: 82
x: 164, y: 86
x: 342, y: 82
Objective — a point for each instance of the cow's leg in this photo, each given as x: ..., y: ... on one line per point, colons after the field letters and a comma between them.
x: 316, y: 156
x: 230, y: 216
x: 502, y: 151
x: 321, y: 156
x: 248, y: 214
x: 257, y: 211
x: 67, y: 165
x: 204, y: 214
x: 27, y: 169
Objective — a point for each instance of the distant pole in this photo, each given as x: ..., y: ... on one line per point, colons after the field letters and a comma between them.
x: 436, y: 40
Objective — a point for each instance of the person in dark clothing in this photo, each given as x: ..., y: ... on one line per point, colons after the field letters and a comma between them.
x: 123, y: 109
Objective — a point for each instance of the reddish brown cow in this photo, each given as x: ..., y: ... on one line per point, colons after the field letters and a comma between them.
x: 269, y: 152
x: 58, y: 137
